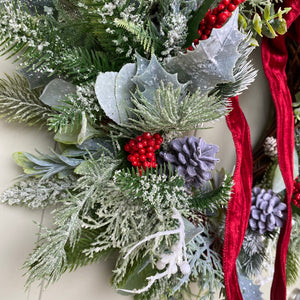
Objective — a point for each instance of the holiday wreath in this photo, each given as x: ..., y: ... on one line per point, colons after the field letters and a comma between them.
x: 119, y: 84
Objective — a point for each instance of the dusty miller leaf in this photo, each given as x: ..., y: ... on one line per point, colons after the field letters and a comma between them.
x: 213, y: 60
x: 113, y: 90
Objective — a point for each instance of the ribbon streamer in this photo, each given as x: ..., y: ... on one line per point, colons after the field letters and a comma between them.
x: 274, y: 56
x: 240, y: 203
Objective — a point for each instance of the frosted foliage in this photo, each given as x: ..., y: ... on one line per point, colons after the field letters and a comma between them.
x: 37, y: 193
x: 212, y: 61
x: 176, y: 34
x: 19, y: 26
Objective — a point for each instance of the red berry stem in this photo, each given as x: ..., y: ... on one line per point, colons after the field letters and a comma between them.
x: 215, y: 18
x: 142, y: 150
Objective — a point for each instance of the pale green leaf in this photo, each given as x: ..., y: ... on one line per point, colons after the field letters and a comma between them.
x: 57, y: 90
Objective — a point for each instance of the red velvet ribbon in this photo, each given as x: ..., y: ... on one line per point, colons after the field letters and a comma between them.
x: 239, y: 205
x: 274, y: 56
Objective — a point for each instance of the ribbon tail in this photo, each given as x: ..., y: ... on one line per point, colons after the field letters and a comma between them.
x: 240, y: 203
x: 275, y: 55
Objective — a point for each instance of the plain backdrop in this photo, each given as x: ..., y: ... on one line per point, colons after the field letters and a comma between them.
x: 18, y: 231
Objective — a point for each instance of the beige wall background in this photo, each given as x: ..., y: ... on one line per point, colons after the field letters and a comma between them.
x: 17, y: 230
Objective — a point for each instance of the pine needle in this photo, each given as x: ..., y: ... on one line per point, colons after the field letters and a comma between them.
x: 21, y: 104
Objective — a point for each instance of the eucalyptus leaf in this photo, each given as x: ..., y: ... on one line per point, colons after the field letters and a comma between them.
x: 57, y: 90
x: 212, y: 61
x: 113, y: 90
x: 190, y: 230
x: 277, y: 181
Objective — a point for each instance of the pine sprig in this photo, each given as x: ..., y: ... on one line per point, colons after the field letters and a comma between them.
x: 143, y: 35
x: 172, y: 111
x: 216, y: 198
x: 21, y: 104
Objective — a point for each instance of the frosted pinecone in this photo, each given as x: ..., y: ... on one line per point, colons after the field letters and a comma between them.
x: 267, y: 211
x: 270, y: 146
x: 193, y: 159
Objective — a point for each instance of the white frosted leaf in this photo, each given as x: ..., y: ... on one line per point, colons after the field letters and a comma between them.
x: 213, y: 60
x: 57, y: 90
x: 113, y: 92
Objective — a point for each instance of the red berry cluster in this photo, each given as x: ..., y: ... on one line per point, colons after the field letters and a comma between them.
x: 142, y: 150
x: 215, y: 18
x: 296, y: 193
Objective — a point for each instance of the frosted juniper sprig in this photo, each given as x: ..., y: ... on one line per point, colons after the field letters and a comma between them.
x: 37, y: 193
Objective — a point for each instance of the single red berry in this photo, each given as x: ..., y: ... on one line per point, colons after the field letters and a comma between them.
x: 226, y: 2
x: 297, y: 185
x: 154, y: 165
x: 130, y: 158
x: 218, y: 26
x: 236, y: 2
x: 204, y: 37
x: 149, y: 154
x: 132, y: 143
x: 136, y: 154
x: 211, y: 19
x: 297, y: 197
x: 207, y: 32
x: 153, y: 159
x: 135, y: 163
x: 157, y: 146
x: 157, y: 136
x: 150, y: 149
x: 190, y: 48
x: 139, y: 164
x: 144, y: 142
x: 127, y: 148
x: 221, y: 7
x: 231, y: 7
x: 142, y: 151
x: 147, y: 135
x: 151, y: 142
x: 202, y: 27
x: 142, y: 158
x: 215, y: 11
x: 140, y: 145
x: 199, y: 32
x: 221, y: 18
x: 228, y: 13
x: 139, y: 138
